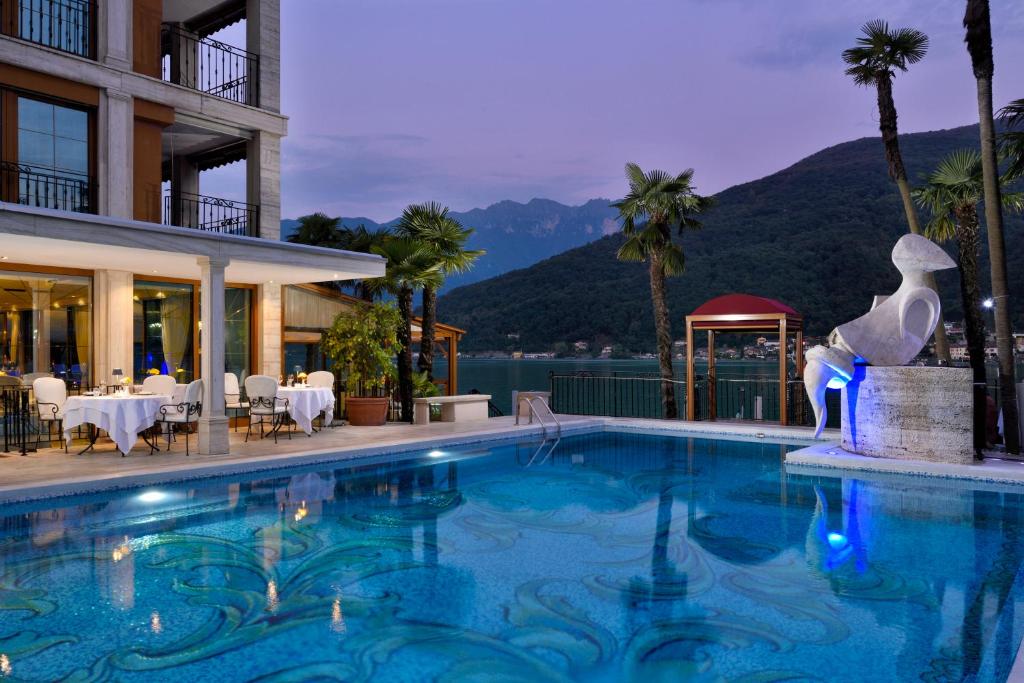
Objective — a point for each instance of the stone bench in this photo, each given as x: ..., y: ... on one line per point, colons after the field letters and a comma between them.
x: 462, y: 408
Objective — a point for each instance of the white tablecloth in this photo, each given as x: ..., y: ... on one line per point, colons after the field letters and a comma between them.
x: 122, y: 416
x: 305, y: 403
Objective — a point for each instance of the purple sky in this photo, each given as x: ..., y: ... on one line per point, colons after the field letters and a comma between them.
x: 469, y: 102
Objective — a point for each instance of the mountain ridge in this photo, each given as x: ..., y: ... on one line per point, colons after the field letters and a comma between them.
x: 811, y: 234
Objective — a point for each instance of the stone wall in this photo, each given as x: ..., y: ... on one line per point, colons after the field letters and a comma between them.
x: 921, y: 413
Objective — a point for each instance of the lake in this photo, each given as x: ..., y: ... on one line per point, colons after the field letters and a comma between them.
x: 500, y: 377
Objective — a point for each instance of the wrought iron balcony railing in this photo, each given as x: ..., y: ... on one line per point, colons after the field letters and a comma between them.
x: 226, y: 216
x: 210, y: 66
x: 66, y: 25
x: 46, y: 188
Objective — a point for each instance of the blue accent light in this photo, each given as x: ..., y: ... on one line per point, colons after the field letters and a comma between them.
x: 837, y: 541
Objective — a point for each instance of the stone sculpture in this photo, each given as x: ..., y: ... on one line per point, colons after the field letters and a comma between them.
x: 894, y: 331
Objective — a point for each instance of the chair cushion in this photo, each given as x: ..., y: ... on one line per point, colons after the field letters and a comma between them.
x: 265, y: 410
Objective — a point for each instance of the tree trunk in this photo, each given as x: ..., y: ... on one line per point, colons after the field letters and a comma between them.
x: 426, y: 359
x: 997, y: 258
x: 974, y: 324
x: 405, y: 353
x: 978, y: 23
x: 887, y: 124
x: 663, y: 334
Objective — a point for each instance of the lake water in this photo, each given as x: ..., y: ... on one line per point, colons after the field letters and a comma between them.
x: 500, y: 377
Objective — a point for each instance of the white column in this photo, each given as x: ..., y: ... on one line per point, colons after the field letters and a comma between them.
x: 116, y: 154
x: 213, y: 425
x: 114, y: 33
x: 113, y: 324
x: 270, y: 309
x: 263, y: 181
x: 263, y: 37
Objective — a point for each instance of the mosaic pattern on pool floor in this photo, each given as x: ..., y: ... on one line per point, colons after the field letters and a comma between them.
x: 614, y: 557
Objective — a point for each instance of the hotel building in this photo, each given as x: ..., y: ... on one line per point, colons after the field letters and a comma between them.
x: 111, y: 255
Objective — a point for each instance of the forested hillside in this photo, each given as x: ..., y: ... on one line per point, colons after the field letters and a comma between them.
x: 816, y: 235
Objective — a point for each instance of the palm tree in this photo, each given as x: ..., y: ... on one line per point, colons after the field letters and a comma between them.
x: 667, y: 203
x: 445, y: 238
x: 881, y: 52
x: 952, y: 194
x: 978, y: 23
x: 319, y: 230
x: 410, y: 267
x: 362, y: 240
x: 1011, y: 141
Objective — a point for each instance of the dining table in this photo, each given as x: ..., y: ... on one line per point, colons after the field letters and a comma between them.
x: 305, y: 403
x: 122, y: 415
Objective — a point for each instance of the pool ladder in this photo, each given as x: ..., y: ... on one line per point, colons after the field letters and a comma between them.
x: 535, y: 413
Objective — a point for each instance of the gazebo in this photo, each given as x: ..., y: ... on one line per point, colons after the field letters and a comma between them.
x: 742, y: 313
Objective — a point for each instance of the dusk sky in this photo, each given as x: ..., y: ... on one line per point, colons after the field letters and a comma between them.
x: 469, y: 102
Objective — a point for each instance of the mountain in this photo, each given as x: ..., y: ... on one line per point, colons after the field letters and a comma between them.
x: 817, y: 235
x: 516, y: 235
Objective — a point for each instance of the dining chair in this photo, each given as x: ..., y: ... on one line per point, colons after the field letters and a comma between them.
x: 161, y: 385
x: 323, y: 379
x: 233, y: 396
x: 51, y: 395
x: 183, y: 413
x: 265, y: 404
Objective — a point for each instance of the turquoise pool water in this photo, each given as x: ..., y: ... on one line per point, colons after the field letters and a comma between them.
x: 616, y: 557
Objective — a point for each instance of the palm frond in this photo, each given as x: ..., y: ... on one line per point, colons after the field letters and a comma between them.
x: 633, y: 249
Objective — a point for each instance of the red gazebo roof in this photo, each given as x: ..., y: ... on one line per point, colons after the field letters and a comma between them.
x: 741, y: 310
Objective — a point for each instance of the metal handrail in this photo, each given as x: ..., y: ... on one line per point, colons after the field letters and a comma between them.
x: 210, y: 66
x: 533, y: 411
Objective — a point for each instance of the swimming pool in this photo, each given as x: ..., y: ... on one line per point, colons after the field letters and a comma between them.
x: 611, y: 557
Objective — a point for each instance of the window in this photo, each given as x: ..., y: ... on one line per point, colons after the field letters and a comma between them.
x: 166, y: 334
x: 45, y: 323
x: 50, y: 164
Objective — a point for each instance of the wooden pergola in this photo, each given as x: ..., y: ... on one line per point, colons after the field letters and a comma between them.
x: 741, y: 313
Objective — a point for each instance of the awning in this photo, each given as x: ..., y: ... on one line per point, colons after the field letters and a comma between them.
x: 46, y: 237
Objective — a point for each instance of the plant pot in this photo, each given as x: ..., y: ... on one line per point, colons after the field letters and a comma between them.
x: 366, y: 412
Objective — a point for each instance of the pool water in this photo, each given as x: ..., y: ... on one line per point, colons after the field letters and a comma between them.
x: 606, y: 557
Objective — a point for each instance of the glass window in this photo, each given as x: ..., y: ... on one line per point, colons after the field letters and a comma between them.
x: 53, y: 154
x: 237, y: 325
x: 164, y: 336
x: 64, y: 25
x: 45, y: 325
x: 303, y: 357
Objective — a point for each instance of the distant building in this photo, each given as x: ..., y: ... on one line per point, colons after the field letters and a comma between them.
x: 958, y: 352
x: 581, y: 345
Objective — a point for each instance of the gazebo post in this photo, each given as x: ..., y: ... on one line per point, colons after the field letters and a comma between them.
x: 783, y: 409
x: 691, y: 377
x: 712, y: 378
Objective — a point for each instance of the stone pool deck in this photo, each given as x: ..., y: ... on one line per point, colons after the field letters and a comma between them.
x: 828, y: 455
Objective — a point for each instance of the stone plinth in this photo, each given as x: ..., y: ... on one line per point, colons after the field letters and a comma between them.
x: 920, y: 413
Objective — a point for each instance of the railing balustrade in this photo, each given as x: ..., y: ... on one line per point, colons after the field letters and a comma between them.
x: 225, y: 216
x: 65, y: 25
x: 210, y: 66
x: 46, y: 188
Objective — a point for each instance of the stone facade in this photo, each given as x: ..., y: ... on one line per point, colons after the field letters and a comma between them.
x: 921, y: 413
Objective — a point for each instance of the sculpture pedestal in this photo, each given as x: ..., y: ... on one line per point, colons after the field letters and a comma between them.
x: 919, y: 413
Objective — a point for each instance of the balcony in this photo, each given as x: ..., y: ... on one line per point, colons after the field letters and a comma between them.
x: 211, y: 213
x: 46, y: 188
x: 209, y: 66
x: 65, y: 25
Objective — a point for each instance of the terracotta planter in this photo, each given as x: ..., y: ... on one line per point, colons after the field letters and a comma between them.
x: 366, y: 412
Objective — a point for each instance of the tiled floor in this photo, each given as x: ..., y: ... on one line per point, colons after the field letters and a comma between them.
x: 52, y: 472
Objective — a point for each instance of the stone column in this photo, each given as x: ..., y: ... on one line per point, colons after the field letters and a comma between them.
x: 270, y: 328
x: 263, y: 38
x: 263, y: 182
x: 115, y: 165
x: 113, y: 337
x: 114, y: 33
x: 213, y: 424
x: 184, y: 57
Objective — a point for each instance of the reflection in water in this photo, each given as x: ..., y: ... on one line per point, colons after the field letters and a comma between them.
x: 619, y: 557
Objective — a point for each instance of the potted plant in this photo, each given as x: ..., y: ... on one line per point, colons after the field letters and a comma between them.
x: 361, y: 343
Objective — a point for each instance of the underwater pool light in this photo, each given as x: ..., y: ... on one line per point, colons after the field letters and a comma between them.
x: 837, y: 541
x: 435, y: 454
x: 152, y: 497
